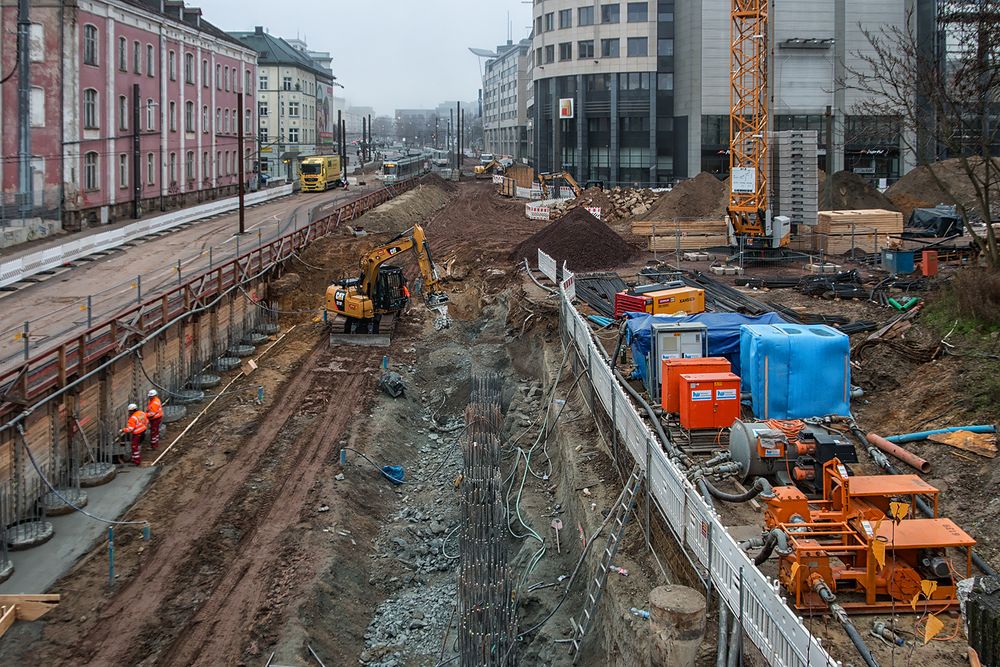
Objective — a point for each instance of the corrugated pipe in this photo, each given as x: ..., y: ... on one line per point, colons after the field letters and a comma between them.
x: 760, y: 486
x: 775, y: 538
x: 909, y: 458
x: 923, y: 435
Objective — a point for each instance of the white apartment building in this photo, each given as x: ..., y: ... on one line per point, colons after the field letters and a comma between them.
x: 506, y: 88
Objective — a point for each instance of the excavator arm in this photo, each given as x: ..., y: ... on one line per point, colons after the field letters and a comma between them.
x: 413, y: 239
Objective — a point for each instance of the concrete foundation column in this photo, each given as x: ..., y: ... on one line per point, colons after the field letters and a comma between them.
x: 676, y: 625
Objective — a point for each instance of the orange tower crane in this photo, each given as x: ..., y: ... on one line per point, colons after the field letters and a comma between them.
x: 748, y: 124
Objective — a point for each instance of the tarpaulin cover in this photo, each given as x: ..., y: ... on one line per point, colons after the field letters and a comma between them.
x: 794, y: 371
x: 723, y: 334
x: 940, y: 221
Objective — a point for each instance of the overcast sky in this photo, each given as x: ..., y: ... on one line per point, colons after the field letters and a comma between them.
x: 388, y: 54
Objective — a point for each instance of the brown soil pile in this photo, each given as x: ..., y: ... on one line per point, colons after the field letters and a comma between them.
x: 702, y: 197
x: 410, y: 207
x: 440, y: 183
x: 919, y: 189
x: 851, y: 192
x: 581, y: 240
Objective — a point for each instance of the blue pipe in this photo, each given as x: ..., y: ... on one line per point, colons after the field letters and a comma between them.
x: 922, y: 435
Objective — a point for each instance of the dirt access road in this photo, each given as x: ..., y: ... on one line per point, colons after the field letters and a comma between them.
x: 57, y: 306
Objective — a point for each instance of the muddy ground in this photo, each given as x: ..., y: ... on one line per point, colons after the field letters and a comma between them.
x: 266, y: 548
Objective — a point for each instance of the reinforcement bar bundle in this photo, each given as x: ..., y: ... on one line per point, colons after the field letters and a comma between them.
x: 487, y: 625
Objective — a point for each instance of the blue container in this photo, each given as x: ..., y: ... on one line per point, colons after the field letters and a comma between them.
x: 898, y: 262
x: 796, y: 371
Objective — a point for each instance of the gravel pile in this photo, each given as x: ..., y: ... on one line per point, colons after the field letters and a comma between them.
x: 401, y: 627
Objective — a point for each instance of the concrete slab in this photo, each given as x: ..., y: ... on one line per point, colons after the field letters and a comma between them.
x: 37, y: 570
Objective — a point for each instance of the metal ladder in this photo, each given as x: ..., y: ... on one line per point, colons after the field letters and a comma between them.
x: 596, y: 587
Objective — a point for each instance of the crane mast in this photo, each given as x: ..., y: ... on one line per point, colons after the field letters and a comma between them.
x: 748, y: 123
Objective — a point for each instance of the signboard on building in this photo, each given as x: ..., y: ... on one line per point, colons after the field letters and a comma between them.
x: 566, y: 108
x: 744, y: 180
x: 326, y: 115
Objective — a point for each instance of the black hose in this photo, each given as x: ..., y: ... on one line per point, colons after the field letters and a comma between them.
x: 618, y: 346
x: 752, y: 493
x: 769, y: 543
x: 664, y: 440
x: 859, y: 643
x: 703, y: 487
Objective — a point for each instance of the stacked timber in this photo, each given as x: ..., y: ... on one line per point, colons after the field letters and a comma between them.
x: 840, y: 232
x: 682, y: 235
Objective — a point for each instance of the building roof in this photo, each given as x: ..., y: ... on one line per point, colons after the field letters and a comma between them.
x: 273, y: 50
x: 189, y: 16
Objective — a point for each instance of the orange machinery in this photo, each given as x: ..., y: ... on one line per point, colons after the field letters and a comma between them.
x: 850, y: 540
x: 709, y: 400
x: 670, y: 377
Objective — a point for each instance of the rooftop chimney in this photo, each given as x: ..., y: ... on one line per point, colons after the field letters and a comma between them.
x: 259, y: 30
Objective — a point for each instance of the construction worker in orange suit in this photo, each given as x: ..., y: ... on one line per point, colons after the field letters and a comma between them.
x: 154, y: 411
x: 137, y: 424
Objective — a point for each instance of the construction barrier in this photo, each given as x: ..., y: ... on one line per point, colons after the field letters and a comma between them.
x: 594, y: 211
x: 497, y: 179
x: 18, y: 269
x: 535, y: 212
x: 547, y: 266
x: 772, y: 626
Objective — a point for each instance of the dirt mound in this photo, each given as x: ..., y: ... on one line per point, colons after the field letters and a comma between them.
x: 702, y: 197
x: 851, y: 192
x: 581, y: 240
x: 919, y: 189
x: 402, y: 212
x: 440, y: 183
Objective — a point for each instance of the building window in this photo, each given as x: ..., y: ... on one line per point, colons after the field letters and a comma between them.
x: 172, y: 66
x: 189, y: 166
x: 609, y: 48
x: 599, y: 83
x: 189, y: 68
x: 90, y: 45
x: 204, y: 165
x: 36, y: 105
x: 204, y: 119
x: 218, y: 77
x: 204, y: 73
x: 36, y: 40
x: 610, y: 14
x: 550, y: 23
x: 565, y: 18
x: 225, y: 120
x: 150, y: 116
x: 262, y: 108
x: 173, y: 117
x: 664, y: 47
x: 263, y: 135
x: 585, y: 49
x: 218, y: 120
x: 550, y: 54
x: 90, y: 178
x: 189, y: 116
x: 218, y: 162
x: 286, y: 83
x: 173, y: 169
x: 150, y: 61
x: 665, y: 81
x: 123, y: 170
x: 638, y: 46
x: 122, y: 112
x: 293, y: 109
x: 538, y: 25
x: 638, y: 12
x: 566, y: 51
x: 293, y: 135
x: 150, y: 169
x: 226, y: 78
x: 665, y: 12
x: 263, y: 82
x: 246, y: 81
x: 122, y: 54
x: 585, y: 16
x: 137, y: 57
x: 633, y: 81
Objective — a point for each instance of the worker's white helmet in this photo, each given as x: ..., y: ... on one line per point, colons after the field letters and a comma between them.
x: 133, y: 406
x: 151, y: 393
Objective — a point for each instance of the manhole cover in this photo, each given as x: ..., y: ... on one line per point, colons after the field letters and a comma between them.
x: 186, y: 396
x: 241, y: 350
x: 55, y: 505
x: 268, y: 329
x: 174, y: 413
x: 224, y: 364
x: 204, y: 381
x: 95, y: 474
x: 254, y: 339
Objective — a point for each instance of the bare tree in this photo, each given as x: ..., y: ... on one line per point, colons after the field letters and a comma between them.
x: 946, y: 97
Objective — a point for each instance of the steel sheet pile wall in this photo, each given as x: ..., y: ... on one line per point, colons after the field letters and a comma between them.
x: 91, y: 377
x: 767, y: 620
x: 487, y: 624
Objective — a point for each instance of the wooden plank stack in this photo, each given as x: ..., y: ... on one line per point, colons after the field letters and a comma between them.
x: 839, y: 232
x: 684, y: 235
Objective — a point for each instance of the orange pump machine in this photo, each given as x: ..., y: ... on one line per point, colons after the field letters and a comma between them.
x: 709, y: 400
x: 861, y: 537
x: 670, y: 377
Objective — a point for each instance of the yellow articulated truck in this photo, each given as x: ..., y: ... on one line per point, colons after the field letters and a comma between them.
x: 320, y: 172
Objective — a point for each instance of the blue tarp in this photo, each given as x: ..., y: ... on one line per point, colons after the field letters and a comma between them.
x: 723, y: 334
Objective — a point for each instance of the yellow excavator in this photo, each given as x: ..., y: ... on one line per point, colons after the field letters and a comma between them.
x: 381, y: 288
x: 544, y: 179
x: 484, y: 170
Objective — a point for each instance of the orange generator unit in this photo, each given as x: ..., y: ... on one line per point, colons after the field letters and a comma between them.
x: 688, y: 300
x: 709, y: 400
x: 670, y: 377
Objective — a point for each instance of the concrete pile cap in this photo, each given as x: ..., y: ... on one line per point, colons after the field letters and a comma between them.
x: 55, y: 506
x: 95, y: 474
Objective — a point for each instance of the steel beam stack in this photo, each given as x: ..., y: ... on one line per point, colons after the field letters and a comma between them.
x: 487, y: 625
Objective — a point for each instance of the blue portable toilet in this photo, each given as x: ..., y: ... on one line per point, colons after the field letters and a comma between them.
x: 796, y: 371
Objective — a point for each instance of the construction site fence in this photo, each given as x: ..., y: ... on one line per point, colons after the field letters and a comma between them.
x: 17, y: 269
x: 769, y: 623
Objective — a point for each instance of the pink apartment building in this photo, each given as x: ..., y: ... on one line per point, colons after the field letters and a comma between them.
x: 133, y: 103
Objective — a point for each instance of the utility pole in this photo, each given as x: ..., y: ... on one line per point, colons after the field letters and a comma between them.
x: 371, y: 149
x: 24, y: 107
x: 451, y: 124
x: 340, y: 142
x: 136, y: 150
x: 458, y: 136
x: 240, y: 168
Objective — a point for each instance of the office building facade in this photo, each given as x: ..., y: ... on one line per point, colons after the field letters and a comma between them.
x: 506, y: 90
